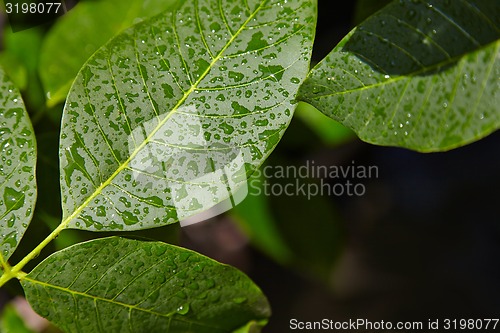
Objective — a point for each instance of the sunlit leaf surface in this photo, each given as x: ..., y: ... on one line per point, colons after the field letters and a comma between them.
x: 81, y: 32
x: 169, y: 118
x: 121, y: 285
x: 418, y: 74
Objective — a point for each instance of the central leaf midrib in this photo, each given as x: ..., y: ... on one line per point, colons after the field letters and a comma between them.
x: 102, y: 299
x: 193, y: 87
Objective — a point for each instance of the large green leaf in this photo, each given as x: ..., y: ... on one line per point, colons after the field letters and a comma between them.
x: 121, y: 285
x: 417, y: 74
x: 78, y: 34
x: 17, y: 168
x: 168, y: 119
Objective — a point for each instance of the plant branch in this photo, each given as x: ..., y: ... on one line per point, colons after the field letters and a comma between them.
x: 16, y: 271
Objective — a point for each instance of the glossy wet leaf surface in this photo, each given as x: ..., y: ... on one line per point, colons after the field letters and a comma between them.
x: 169, y: 118
x: 122, y: 285
x: 17, y: 168
x: 81, y: 32
x: 418, y: 74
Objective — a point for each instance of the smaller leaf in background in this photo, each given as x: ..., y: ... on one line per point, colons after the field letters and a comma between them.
x: 417, y: 74
x: 254, y: 216
x: 17, y: 168
x: 122, y: 285
x: 78, y: 34
x: 21, y: 54
x: 24, y: 45
x: 330, y: 132
x: 307, y: 237
x: 15, y: 69
x: 252, y: 327
x: 11, y: 322
x: 311, y: 231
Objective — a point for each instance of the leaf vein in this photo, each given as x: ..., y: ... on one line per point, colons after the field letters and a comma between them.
x: 481, y: 13
x: 125, y: 305
x: 101, y: 131
x: 452, y: 22
x: 397, y: 46
x: 108, y: 270
x: 120, y: 102
x: 138, y: 276
x: 132, y: 195
x: 181, y: 55
x: 124, y: 165
x: 164, y: 61
x: 273, y: 44
x: 430, y: 89
x: 200, y: 29
x: 484, y: 84
x: 452, y: 98
x: 224, y: 18
x: 145, y: 85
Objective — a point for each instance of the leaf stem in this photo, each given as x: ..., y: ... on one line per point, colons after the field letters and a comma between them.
x: 7, y: 271
x: 16, y: 271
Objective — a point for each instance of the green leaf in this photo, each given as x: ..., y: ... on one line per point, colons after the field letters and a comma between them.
x: 122, y: 285
x: 330, y: 132
x: 168, y: 119
x: 86, y: 28
x: 11, y: 322
x: 15, y: 69
x: 252, y: 327
x: 254, y: 216
x: 417, y: 74
x: 274, y: 213
x: 24, y: 46
x: 17, y: 168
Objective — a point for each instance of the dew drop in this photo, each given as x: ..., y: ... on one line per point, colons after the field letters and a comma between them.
x: 11, y: 221
x: 183, y: 309
x: 239, y: 300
